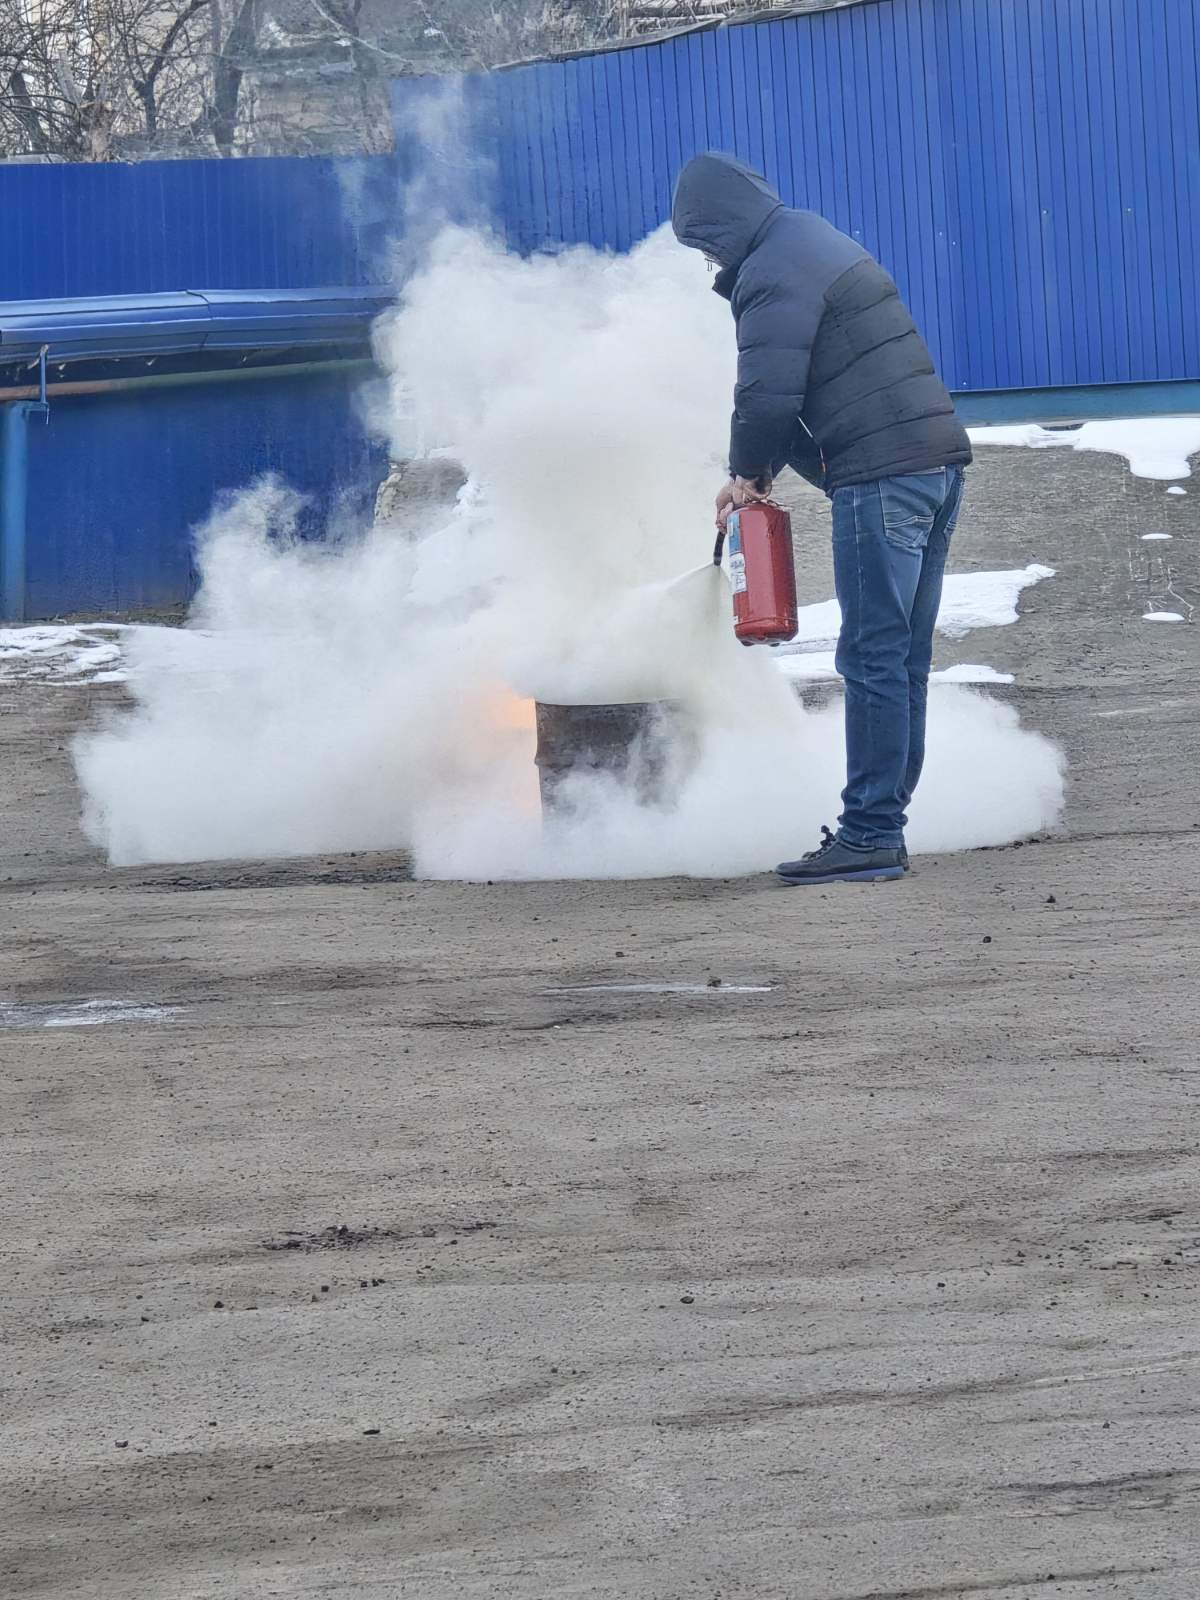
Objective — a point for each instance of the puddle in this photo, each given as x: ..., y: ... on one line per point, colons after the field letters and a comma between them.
x: 663, y: 988
x: 84, y: 1014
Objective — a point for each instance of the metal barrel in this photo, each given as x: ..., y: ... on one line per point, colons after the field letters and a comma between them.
x: 631, y: 742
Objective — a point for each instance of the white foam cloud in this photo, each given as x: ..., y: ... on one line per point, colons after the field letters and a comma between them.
x: 376, y: 695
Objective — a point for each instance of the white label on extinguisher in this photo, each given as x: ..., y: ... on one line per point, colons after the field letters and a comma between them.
x: 737, y: 559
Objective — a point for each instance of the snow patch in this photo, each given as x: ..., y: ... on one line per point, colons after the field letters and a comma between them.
x: 1155, y: 447
x: 95, y: 652
x: 817, y: 666
x: 59, y: 650
x: 968, y: 672
x: 985, y: 599
x: 807, y: 666
x: 817, y: 624
x: 969, y: 600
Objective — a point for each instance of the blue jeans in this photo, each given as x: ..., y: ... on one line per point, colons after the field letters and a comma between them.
x: 890, y: 540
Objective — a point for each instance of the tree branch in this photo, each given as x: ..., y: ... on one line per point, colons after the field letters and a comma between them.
x: 144, y: 87
x: 26, y: 114
x: 227, y: 74
x: 159, y: 59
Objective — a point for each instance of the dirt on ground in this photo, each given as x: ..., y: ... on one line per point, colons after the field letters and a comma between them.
x: 647, y: 1240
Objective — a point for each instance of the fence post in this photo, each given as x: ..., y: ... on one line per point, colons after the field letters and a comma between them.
x: 14, y: 494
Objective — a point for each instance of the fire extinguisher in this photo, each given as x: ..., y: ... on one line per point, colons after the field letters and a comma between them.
x: 762, y: 572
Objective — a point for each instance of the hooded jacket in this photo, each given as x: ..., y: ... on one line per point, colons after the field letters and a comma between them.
x: 833, y: 377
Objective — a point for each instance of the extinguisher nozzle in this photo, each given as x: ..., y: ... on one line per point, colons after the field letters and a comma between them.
x: 718, y: 548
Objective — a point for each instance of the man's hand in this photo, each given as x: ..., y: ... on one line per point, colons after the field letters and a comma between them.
x: 740, y: 492
x: 724, y: 503
x: 747, y: 490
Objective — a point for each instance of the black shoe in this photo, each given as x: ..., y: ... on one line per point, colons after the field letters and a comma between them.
x: 836, y: 862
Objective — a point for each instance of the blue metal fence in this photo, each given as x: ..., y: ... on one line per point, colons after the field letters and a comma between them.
x: 98, y: 504
x: 259, y: 223
x: 1029, y: 171
x: 117, y: 484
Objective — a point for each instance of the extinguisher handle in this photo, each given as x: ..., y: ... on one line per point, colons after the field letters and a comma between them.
x: 718, y: 548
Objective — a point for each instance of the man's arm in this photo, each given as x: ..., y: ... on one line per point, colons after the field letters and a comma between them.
x: 776, y: 327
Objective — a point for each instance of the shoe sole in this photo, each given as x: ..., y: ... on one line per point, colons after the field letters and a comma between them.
x: 873, y: 875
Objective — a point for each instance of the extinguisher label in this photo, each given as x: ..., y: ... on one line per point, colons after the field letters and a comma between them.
x: 737, y: 559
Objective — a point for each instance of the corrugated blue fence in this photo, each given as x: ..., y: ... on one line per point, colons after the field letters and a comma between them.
x: 118, y: 483
x: 260, y: 223
x: 113, y: 483
x: 1028, y: 170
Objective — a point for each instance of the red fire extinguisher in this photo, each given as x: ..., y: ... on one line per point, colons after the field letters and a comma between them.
x: 761, y: 571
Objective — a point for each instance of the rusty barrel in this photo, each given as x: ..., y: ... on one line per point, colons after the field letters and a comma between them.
x: 631, y: 742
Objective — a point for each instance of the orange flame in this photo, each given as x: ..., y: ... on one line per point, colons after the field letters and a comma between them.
x: 511, y: 711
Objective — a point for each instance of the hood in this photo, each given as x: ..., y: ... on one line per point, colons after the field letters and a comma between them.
x: 720, y: 206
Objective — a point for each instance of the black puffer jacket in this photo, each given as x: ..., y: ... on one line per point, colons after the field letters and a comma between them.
x: 833, y: 377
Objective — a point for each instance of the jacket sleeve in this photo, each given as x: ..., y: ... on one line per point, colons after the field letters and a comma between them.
x: 776, y: 326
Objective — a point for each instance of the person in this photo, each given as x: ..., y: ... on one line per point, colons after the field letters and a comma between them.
x: 835, y: 381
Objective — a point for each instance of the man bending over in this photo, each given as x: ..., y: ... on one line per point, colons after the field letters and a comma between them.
x: 835, y: 381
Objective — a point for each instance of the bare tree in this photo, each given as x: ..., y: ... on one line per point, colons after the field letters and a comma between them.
x: 229, y: 66
x: 156, y: 60
x: 97, y: 80
x: 75, y: 75
x: 485, y: 33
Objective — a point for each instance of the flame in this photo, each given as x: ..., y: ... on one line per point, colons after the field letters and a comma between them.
x: 513, y: 718
x: 512, y: 712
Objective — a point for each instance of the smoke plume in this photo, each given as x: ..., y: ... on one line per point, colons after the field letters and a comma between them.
x: 376, y: 694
